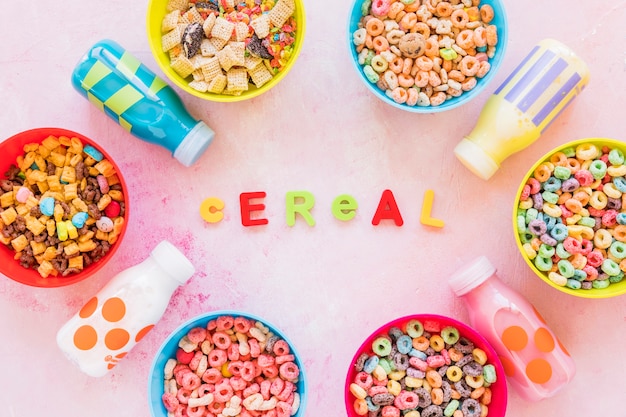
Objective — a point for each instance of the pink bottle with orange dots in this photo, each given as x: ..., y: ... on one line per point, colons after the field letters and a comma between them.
x: 124, y: 311
x: 534, y: 360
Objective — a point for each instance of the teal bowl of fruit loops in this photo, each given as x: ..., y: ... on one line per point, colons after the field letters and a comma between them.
x: 63, y: 207
x: 569, y: 218
x: 427, y: 56
x: 227, y: 363
x: 425, y: 365
x: 225, y: 50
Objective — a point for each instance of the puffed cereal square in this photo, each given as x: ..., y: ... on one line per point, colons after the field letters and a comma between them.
x: 177, y: 5
x: 170, y: 21
x: 6, y: 199
x: 237, y: 79
x: 225, y: 57
x: 8, y: 216
x: 171, y: 39
x: 75, y: 262
x: 281, y: 11
x: 193, y: 15
x: 207, y: 48
x: 45, y: 269
x: 19, y: 243
x: 208, y: 24
x: 222, y: 29
x: 217, y: 84
x: 261, y: 25
x: 211, y: 69
x: 251, y: 61
x: 241, y: 31
x: 199, y: 85
x: 238, y: 53
x: 260, y: 75
x: 182, y: 66
x: 219, y: 43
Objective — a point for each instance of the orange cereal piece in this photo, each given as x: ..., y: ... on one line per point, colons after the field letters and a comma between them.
x: 374, y: 26
x: 486, y: 13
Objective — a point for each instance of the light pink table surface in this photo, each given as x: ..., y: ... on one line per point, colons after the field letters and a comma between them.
x: 328, y: 286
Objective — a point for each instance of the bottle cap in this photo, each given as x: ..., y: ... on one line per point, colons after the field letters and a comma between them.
x: 471, y: 275
x: 475, y: 159
x: 173, y: 261
x: 194, y: 144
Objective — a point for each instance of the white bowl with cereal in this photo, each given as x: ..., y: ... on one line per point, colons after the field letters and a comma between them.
x: 427, y: 56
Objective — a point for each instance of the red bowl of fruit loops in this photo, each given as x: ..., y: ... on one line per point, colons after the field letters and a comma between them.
x: 427, y: 56
x: 226, y: 50
x: 425, y: 365
x: 569, y: 218
x: 63, y: 207
x: 227, y: 363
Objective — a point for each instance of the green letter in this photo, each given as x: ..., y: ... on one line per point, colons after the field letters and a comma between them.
x: 344, y: 207
x: 305, y: 203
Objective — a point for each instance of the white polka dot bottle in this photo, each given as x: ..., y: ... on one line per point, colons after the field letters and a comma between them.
x: 112, y: 322
x: 534, y: 360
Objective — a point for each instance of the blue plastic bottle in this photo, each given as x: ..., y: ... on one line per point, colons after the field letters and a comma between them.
x: 138, y: 100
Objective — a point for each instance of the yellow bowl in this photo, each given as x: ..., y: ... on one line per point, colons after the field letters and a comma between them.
x: 156, y: 13
x: 614, y: 289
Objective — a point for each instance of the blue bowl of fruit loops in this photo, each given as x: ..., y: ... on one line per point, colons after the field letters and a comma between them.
x: 63, y: 207
x: 425, y: 365
x: 569, y: 218
x: 227, y: 363
x: 427, y: 56
x: 225, y: 50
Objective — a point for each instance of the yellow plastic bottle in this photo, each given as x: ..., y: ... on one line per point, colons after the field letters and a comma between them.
x: 531, y: 97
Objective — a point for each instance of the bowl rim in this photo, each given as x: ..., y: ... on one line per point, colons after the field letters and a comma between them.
x: 31, y: 277
x: 154, y: 43
x: 186, y: 325
x: 595, y: 293
x: 503, y: 40
x: 465, y: 330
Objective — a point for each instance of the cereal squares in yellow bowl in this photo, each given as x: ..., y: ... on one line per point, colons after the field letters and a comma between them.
x: 225, y: 50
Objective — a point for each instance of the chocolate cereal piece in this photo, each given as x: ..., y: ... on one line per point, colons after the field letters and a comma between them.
x: 434, y: 411
x: 192, y: 38
x: 207, y: 6
x: 256, y: 47
x: 473, y: 369
x: 383, y: 399
x: 424, y: 397
x: 464, y: 345
x: 360, y: 362
x: 470, y: 408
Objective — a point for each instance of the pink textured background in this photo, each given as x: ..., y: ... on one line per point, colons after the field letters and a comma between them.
x: 328, y: 286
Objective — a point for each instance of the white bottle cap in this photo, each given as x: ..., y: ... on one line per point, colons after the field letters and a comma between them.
x: 471, y: 275
x: 194, y: 144
x: 173, y: 261
x: 476, y: 159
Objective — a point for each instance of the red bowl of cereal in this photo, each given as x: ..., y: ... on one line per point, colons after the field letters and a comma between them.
x: 225, y: 50
x: 235, y: 362
x: 427, y: 56
x: 63, y: 207
x: 426, y: 365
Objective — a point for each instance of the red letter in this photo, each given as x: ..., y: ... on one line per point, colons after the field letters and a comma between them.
x: 387, y: 209
x: 246, y: 208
